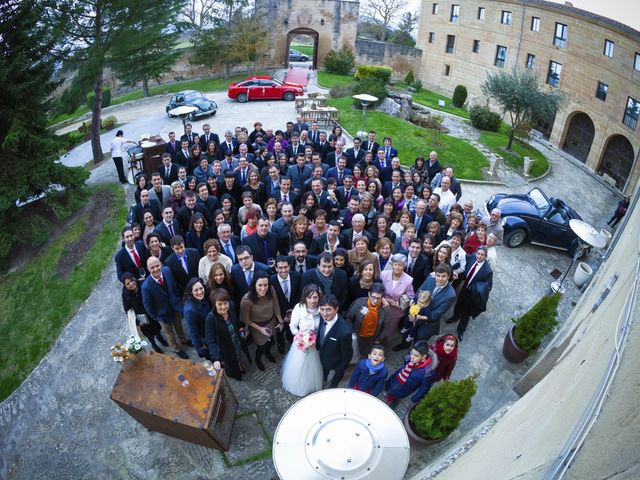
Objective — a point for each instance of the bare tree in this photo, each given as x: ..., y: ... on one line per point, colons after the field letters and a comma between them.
x: 199, y: 12
x: 384, y: 12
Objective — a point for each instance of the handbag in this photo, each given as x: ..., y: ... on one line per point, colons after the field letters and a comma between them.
x: 404, y: 301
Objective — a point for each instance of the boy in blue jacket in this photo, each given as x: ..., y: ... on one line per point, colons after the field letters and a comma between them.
x: 414, y: 378
x: 370, y: 374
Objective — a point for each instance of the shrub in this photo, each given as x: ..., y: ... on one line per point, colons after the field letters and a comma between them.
x: 537, y: 323
x: 341, y: 91
x: 484, y: 119
x: 410, y: 78
x: 364, y: 72
x: 372, y: 86
x: 440, y: 411
x: 459, y: 96
x: 109, y: 123
x: 106, y: 98
x: 341, y: 62
x: 417, y: 85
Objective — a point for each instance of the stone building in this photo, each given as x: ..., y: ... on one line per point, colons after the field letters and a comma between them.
x: 595, y: 61
x: 329, y: 23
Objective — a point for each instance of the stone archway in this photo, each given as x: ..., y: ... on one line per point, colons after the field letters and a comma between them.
x: 579, y: 136
x: 303, y: 31
x: 617, y: 160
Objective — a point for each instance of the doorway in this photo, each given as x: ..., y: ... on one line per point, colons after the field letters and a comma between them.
x: 302, y: 48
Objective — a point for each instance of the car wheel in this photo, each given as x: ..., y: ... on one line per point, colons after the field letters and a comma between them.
x: 289, y: 96
x: 304, y: 59
x: 242, y: 97
x: 515, y: 238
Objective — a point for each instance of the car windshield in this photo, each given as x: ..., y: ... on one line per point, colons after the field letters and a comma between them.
x: 193, y: 96
x: 539, y: 200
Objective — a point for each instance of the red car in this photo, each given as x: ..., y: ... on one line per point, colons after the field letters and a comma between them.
x: 264, y: 87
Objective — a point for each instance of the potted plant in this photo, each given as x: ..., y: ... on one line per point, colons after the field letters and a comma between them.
x: 527, y: 332
x: 439, y: 413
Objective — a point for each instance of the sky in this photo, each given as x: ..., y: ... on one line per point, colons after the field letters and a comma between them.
x: 624, y: 11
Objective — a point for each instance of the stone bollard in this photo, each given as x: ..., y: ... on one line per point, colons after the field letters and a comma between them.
x: 494, y: 160
x: 528, y: 162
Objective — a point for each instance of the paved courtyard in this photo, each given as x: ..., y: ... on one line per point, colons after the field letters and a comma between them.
x: 62, y: 424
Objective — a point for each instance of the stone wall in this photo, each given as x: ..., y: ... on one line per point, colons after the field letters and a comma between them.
x: 399, y: 57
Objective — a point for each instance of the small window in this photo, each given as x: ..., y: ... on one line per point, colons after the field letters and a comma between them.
x: 434, y: 9
x: 601, y: 92
x: 501, y: 56
x: 480, y: 13
x: 432, y: 37
x: 447, y: 70
x: 608, y: 48
x: 535, y: 24
x: 553, y: 76
x: 455, y: 13
x: 506, y: 17
x: 451, y: 43
x: 636, y: 63
x: 531, y: 60
x: 631, y: 113
x: 476, y: 46
x: 560, y: 35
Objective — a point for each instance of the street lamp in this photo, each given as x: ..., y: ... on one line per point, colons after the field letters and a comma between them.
x: 183, y: 112
x: 365, y: 99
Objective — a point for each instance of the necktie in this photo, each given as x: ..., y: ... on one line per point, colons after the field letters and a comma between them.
x: 436, y: 290
x: 244, y: 177
x: 386, y: 153
x: 471, y: 273
x: 136, y: 258
x: 161, y: 281
x: 190, y: 138
x: 183, y: 260
x: 285, y: 198
x: 346, y: 195
x: 248, y: 275
x: 227, y: 249
x: 167, y: 170
x: 418, y: 221
x: 340, y: 175
x: 323, y: 330
x: 229, y: 147
x: 301, y: 269
x: 409, y: 266
x: 285, y: 289
x: 171, y: 231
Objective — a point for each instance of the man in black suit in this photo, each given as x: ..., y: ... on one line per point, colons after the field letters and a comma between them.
x: 294, y: 147
x: 356, y: 154
x: 183, y: 156
x: 395, y: 182
x: 287, y: 287
x: 264, y: 244
x: 370, y: 145
x: 299, y: 173
x: 242, y: 273
x: 168, y: 171
x: 163, y: 304
x: 346, y: 191
x: 330, y: 280
x: 301, y: 261
x: 210, y: 202
x: 190, y: 207
x: 147, y: 205
x: 189, y: 134
x: 327, y: 242
x: 284, y: 193
x: 433, y: 166
x: 473, y: 297
x: 228, y: 145
x: 314, y: 133
x: 394, y: 166
x: 334, y: 340
x: 418, y: 265
x: 332, y: 157
x: 208, y: 136
x: 357, y: 230
x: 346, y: 214
x: 299, y: 126
x: 420, y: 218
x: 131, y: 257
x: 323, y: 147
x: 183, y: 263
x: 167, y: 228
x: 172, y: 147
x: 228, y: 242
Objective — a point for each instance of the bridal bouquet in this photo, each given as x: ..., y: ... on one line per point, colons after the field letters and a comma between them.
x: 305, y: 340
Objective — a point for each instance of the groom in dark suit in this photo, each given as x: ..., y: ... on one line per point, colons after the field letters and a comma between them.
x: 334, y: 340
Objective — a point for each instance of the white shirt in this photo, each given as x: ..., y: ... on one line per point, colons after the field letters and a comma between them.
x: 447, y: 199
x: 117, y: 147
x: 286, y: 281
x: 478, y: 267
x: 329, y: 325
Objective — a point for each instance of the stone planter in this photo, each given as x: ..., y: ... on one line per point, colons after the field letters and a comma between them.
x: 606, y: 234
x: 494, y: 160
x: 413, y: 435
x: 582, y: 274
x: 528, y: 163
x: 510, y: 349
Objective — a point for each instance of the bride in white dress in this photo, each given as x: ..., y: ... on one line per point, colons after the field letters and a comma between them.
x: 301, y: 369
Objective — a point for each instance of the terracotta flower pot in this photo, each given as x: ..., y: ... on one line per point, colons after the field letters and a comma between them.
x: 414, y: 436
x: 510, y: 349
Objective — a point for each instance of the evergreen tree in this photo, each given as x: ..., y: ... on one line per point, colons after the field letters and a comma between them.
x: 29, y: 151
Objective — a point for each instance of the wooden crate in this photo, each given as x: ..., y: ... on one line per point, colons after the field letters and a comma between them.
x: 150, y: 389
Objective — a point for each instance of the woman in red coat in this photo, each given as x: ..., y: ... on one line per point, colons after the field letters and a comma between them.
x: 446, y: 348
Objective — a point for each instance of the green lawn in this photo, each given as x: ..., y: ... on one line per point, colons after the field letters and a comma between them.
x: 202, y: 85
x: 330, y: 80
x: 430, y: 99
x: 305, y: 49
x: 37, y: 303
x: 497, y: 142
x: 411, y: 140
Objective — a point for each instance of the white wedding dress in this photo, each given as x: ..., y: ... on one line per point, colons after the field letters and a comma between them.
x: 302, y: 370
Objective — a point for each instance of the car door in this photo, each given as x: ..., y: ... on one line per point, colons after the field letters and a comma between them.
x: 269, y: 89
x: 554, y: 229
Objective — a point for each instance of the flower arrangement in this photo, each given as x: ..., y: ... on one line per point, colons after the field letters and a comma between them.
x: 121, y: 352
x: 414, y: 309
x: 364, y: 310
x: 305, y: 340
